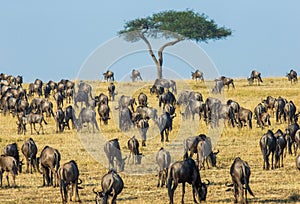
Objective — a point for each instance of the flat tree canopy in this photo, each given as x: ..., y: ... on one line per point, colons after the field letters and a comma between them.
x: 174, y: 26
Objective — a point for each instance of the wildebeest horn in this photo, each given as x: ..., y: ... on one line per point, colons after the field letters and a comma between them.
x: 208, y: 182
x: 217, y: 152
x: 227, y: 184
x: 95, y: 191
x: 80, y: 181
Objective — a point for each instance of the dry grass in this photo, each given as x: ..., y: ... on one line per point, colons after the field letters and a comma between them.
x: 274, y: 186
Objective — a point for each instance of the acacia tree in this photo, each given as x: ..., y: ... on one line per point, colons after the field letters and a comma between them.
x: 174, y: 26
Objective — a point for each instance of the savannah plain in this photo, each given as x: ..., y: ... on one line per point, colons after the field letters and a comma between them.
x: 273, y: 186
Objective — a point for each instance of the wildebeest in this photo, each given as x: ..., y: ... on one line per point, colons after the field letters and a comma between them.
x: 143, y: 126
x: 112, y: 185
x: 158, y: 90
x: 292, y: 76
x: 8, y: 164
x: 255, y: 75
x: 258, y: 112
x: 290, y: 135
x: 290, y: 111
x: 166, y: 98
x: 70, y: 115
x: 143, y: 99
x: 49, y: 162
x: 164, y: 123
x: 163, y: 160
x: 32, y: 119
x: 198, y: 75
x: 103, y: 111
x: 212, y: 108
x: 268, y: 146
x: 59, y: 98
x: 60, y: 120
x: 102, y: 99
x: 111, y: 91
x: 34, y: 88
x: 226, y: 113
x: 147, y: 112
x: 191, y: 143
x: 81, y: 96
x: 108, y: 75
x: 227, y: 82
x: 183, y: 172
x: 136, y: 75
x: 280, y: 146
x: 85, y: 87
x: 46, y: 106
x: 269, y: 103
x: 29, y: 150
x: 165, y: 83
x: 112, y: 150
x: 133, y: 146
x: 279, y: 108
x: 195, y: 107
x: 205, y: 153
x: 125, y: 119
x: 126, y: 101
x: 86, y: 116
x: 240, y: 174
x: 68, y: 175
x: 245, y: 116
x: 13, y: 151
x: 69, y: 95
x: 217, y: 89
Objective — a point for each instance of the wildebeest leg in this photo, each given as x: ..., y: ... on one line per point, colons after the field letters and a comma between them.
x: 183, y: 191
x: 1, y: 174
x: 31, y: 128
x: 159, y: 178
x: 171, y: 189
x: 7, y: 178
x: 272, y: 160
x: 167, y: 135
x: 162, y: 135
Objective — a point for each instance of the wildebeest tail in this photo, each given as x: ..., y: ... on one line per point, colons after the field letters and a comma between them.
x: 250, y: 119
x: 246, y: 181
x: 15, y: 167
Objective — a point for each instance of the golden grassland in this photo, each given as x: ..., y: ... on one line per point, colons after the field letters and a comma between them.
x: 274, y: 186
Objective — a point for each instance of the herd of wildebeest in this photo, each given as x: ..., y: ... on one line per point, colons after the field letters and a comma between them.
x: 30, y: 105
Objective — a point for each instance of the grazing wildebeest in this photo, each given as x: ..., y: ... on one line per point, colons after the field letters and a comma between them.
x: 280, y: 146
x: 290, y: 135
x: 86, y: 116
x: 143, y: 126
x: 112, y: 185
x: 103, y: 111
x: 108, y: 75
x: 170, y: 109
x: 240, y: 174
x: 195, y: 107
x: 198, y: 75
x: 205, y: 153
x: 147, y: 112
x: 70, y: 115
x: 165, y: 83
x: 182, y: 172
x: 227, y: 81
x: 143, y: 99
x: 133, y: 146
x: 125, y: 119
x: 68, y: 175
x: 126, y: 101
x: 245, y: 117
x: 8, y: 164
x: 29, y: 150
x: 279, y: 109
x: 111, y: 91
x: 60, y: 120
x: 32, y: 119
x: 298, y: 162
x: 12, y: 150
x: 166, y: 98
x: 112, y: 150
x: 255, y: 75
x: 268, y: 146
x: 217, y: 89
x: 163, y: 160
x: 292, y: 76
x: 290, y: 111
x: 191, y: 143
x: 49, y: 161
x: 136, y: 75
x: 164, y: 123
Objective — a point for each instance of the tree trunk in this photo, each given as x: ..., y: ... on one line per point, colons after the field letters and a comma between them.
x: 159, y: 71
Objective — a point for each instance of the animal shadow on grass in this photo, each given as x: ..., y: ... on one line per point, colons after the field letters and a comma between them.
x: 294, y: 198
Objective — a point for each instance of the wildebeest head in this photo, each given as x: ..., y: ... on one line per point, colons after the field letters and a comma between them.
x: 100, y: 197
x: 202, y: 189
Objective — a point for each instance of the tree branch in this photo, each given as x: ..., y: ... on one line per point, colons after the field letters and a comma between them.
x: 160, y: 51
x: 149, y: 46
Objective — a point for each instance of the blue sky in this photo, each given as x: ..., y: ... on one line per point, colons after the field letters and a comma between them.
x: 53, y: 39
